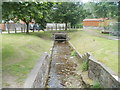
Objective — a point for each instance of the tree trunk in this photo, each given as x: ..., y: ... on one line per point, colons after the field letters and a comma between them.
x: 27, y: 32
x: 66, y: 26
x: 56, y: 26
x: 33, y: 29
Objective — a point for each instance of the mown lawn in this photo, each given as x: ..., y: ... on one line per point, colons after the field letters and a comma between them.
x: 104, y: 50
x: 20, y: 53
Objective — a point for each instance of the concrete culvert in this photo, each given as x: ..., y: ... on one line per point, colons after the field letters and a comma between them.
x: 60, y: 37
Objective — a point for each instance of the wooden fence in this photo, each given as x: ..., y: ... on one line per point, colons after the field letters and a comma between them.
x: 18, y: 27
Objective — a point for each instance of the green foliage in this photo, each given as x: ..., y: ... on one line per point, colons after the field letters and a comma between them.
x: 67, y: 12
x: 80, y: 25
x: 85, y: 65
x: 26, y: 11
x: 73, y: 53
x: 96, y: 85
x: 102, y: 9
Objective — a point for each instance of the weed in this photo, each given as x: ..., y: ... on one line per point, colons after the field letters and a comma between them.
x: 73, y: 53
x: 96, y: 85
x: 85, y: 66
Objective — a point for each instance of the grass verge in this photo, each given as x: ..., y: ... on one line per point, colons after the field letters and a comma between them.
x: 104, y: 50
x: 20, y: 53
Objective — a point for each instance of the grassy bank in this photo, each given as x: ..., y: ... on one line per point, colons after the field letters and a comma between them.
x: 104, y: 50
x: 19, y: 55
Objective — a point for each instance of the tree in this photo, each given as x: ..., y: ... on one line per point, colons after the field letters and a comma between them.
x: 67, y: 12
x: 102, y: 9
x: 26, y: 11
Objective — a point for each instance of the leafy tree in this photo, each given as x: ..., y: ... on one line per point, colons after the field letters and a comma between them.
x: 44, y: 9
x: 67, y: 12
x: 102, y: 9
x: 26, y: 11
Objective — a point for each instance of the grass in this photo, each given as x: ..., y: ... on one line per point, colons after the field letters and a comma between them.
x: 104, y: 50
x: 20, y: 52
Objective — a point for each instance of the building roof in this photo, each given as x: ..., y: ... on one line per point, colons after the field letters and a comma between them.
x: 99, y: 19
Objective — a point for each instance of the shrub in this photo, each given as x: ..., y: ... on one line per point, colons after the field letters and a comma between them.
x: 85, y: 65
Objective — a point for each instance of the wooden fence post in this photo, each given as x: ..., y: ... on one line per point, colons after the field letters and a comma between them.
x: 15, y: 30
x: 21, y: 29
x: 8, y: 30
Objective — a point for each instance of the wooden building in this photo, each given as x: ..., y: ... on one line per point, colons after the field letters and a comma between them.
x: 95, y: 23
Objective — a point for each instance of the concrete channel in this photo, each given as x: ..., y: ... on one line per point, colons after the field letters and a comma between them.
x: 62, y: 71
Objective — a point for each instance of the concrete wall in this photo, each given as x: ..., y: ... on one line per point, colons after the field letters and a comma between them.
x: 99, y: 72
x: 39, y: 75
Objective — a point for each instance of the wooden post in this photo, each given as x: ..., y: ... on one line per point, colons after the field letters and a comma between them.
x: 8, y: 30
x: 21, y: 29
x: 59, y: 27
x: 15, y: 30
x: 47, y: 28
x: 24, y: 27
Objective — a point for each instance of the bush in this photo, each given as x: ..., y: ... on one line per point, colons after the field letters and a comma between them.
x: 85, y: 65
x: 96, y: 85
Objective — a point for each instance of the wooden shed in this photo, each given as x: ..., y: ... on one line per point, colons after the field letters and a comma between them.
x: 100, y: 22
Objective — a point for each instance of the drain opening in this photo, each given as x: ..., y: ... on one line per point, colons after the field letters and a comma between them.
x: 60, y: 37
